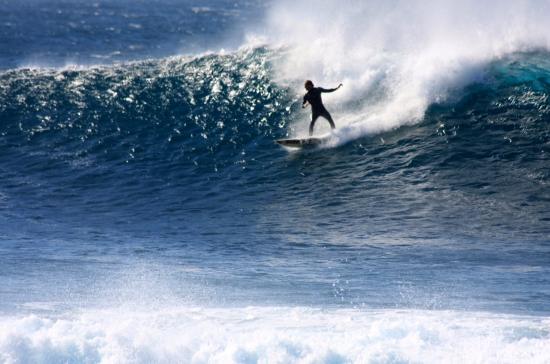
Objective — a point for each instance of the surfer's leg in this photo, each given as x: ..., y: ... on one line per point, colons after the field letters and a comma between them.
x: 312, y: 124
x: 329, y: 118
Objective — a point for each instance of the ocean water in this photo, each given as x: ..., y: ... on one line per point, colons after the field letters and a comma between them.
x: 147, y: 216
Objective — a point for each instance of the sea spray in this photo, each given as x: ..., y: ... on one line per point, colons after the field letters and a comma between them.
x: 396, y: 58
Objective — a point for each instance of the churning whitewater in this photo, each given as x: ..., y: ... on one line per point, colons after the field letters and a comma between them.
x: 147, y: 215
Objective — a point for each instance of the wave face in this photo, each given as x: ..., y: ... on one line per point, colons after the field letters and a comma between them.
x: 181, y: 132
x: 163, y: 140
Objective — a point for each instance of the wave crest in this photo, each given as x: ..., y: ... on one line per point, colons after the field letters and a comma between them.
x: 396, y: 58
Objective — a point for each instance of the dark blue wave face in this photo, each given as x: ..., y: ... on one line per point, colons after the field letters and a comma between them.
x: 180, y: 132
x: 173, y: 161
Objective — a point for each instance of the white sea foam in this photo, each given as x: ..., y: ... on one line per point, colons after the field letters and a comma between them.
x: 397, y: 57
x: 275, y: 335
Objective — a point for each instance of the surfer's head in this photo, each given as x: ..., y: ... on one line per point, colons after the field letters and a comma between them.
x: 308, y: 85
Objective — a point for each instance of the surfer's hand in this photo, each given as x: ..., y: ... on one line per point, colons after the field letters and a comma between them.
x: 340, y: 85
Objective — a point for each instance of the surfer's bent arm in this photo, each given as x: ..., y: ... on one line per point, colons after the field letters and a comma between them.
x: 304, y: 103
x: 330, y: 89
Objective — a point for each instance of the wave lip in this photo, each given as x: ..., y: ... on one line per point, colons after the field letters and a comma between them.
x: 275, y: 335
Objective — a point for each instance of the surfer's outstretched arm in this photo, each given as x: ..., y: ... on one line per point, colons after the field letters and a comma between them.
x: 330, y: 89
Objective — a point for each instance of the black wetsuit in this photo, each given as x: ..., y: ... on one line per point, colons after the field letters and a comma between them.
x: 313, y: 96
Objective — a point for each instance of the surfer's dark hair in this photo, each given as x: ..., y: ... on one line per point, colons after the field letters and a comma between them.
x: 308, y: 83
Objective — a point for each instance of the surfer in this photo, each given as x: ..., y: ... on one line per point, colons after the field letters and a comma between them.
x: 313, y: 97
